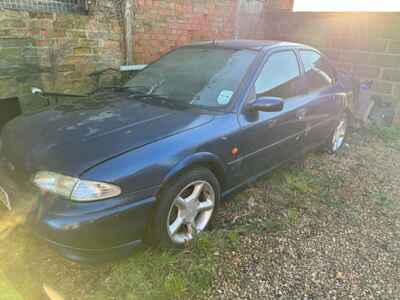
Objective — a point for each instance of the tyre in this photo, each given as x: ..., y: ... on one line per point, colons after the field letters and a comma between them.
x: 338, y: 136
x: 186, y: 207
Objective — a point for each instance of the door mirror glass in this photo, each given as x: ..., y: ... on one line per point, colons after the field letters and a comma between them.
x: 268, y: 104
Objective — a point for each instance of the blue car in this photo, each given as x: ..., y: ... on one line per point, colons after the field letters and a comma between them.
x: 151, y: 160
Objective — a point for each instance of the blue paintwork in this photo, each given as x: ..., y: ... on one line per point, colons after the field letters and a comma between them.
x: 140, y: 147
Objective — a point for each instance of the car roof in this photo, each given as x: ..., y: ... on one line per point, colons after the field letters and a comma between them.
x: 250, y: 44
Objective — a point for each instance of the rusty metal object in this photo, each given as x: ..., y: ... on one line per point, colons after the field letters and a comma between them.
x: 363, y: 105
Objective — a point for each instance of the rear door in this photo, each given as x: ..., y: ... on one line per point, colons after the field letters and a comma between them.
x: 269, y: 138
x: 323, y: 102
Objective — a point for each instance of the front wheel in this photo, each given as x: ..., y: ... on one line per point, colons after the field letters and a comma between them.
x: 186, y: 208
x: 338, y: 137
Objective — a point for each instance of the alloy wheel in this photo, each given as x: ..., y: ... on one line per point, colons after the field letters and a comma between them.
x: 191, y: 211
x: 339, y: 135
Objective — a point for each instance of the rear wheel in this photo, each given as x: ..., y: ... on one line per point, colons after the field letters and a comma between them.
x: 338, y: 137
x: 186, y: 208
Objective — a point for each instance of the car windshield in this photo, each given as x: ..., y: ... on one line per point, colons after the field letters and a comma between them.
x: 199, y: 76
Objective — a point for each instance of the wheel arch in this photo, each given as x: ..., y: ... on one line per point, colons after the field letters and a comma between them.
x: 207, y: 160
x: 203, y: 159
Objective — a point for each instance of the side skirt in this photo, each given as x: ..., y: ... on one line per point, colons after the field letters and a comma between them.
x: 254, y: 178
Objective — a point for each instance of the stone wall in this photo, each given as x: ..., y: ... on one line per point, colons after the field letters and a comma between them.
x: 166, y: 24
x: 57, y: 52
x: 367, y: 45
x: 54, y: 52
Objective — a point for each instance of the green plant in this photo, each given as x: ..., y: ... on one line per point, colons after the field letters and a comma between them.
x: 233, y: 237
x: 7, y: 292
x: 293, y: 215
x: 165, y: 274
x: 299, y: 181
x: 388, y: 134
x: 384, y: 200
x: 175, y: 285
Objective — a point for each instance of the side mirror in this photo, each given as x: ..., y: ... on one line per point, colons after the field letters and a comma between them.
x: 268, y: 104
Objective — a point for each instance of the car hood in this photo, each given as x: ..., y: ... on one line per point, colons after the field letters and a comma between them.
x: 73, y: 137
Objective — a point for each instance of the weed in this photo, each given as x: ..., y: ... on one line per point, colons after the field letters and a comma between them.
x: 175, y: 285
x: 383, y: 200
x: 293, y: 215
x: 264, y: 225
x: 299, y: 181
x: 233, y: 237
x: 157, y: 274
x: 388, y: 134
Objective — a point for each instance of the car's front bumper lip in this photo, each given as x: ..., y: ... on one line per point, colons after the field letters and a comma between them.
x: 95, y: 233
x: 92, y: 256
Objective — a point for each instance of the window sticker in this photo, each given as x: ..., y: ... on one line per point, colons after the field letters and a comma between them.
x: 225, y: 97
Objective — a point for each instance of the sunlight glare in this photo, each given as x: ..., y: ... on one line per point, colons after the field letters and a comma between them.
x: 347, y: 5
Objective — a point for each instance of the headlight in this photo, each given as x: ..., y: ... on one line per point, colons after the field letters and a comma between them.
x: 74, y: 188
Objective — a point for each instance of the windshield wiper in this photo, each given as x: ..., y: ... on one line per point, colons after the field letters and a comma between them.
x: 121, y: 89
x: 163, y: 100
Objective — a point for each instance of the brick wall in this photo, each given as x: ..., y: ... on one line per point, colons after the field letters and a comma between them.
x: 54, y: 52
x: 166, y: 24
x: 367, y: 45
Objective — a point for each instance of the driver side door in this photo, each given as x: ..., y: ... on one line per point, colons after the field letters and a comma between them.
x: 270, y: 138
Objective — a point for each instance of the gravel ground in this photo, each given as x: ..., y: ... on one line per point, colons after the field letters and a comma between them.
x: 342, y: 239
x: 326, y: 228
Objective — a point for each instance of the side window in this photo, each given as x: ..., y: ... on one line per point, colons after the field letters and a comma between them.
x: 279, y: 77
x: 318, y: 72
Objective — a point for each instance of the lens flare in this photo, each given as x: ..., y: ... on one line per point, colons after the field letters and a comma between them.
x: 346, y: 6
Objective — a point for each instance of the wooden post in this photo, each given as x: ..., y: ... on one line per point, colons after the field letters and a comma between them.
x: 237, y: 17
x: 129, y: 23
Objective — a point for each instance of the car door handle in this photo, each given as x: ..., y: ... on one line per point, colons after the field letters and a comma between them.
x: 301, y: 114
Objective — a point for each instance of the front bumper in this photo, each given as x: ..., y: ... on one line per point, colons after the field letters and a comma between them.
x: 85, y: 232
x: 96, y: 231
x: 95, y: 256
